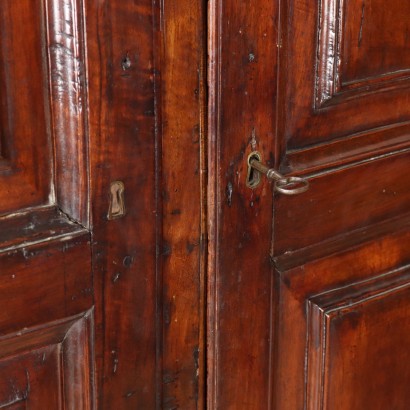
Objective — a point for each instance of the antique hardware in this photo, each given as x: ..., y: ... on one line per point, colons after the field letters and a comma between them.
x: 285, y: 185
x: 117, y: 203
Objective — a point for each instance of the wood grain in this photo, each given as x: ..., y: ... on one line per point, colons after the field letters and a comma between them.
x: 183, y: 188
x: 241, y: 119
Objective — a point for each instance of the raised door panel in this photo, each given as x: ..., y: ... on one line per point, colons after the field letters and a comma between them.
x: 25, y: 174
x: 42, y: 104
x: 45, y: 255
x: 357, y: 345
x: 48, y: 366
x: 343, y: 323
x: 344, y: 79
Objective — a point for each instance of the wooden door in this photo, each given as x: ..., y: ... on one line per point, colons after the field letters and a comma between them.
x: 46, y: 320
x: 102, y: 227
x: 309, y: 294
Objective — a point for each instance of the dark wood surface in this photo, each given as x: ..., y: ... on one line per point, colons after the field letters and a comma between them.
x: 240, y: 281
x: 325, y: 324
x: 307, y: 296
x: 146, y: 90
x: 46, y: 281
x: 97, y: 95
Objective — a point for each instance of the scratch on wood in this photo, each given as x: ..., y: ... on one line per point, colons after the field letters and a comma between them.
x: 229, y: 190
x: 130, y: 394
x: 28, y: 388
x: 115, y: 277
x: 361, y: 25
x: 253, y: 140
x: 115, y: 361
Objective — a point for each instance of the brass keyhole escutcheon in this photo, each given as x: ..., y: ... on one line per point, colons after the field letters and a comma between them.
x: 117, y: 203
x: 253, y: 177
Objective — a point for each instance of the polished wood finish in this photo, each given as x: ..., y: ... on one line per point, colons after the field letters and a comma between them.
x: 306, y: 296
x: 97, y: 95
x: 320, y: 89
x: 183, y: 205
x: 46, y: 286
x: 146, y: 92
x: 240, y: 281
x: 48, y: 366
x: 25, y: 176
x: 354, y: 299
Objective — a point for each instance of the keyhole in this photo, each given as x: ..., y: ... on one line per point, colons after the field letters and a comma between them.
x: 117, y: 204
x: 253, y: 177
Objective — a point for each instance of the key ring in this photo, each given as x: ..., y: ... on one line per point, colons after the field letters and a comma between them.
x: 291, y: 185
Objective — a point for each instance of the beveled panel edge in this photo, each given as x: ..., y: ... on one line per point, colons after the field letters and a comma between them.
x: 340, y: 243
x: 351, y: 149
x: 65, y: 25
x: 76, y: 336
x: 35, y: 226
x: 321, y: 309
x: 78, y: 363
x: 330, y: 88
x: 38, y: 336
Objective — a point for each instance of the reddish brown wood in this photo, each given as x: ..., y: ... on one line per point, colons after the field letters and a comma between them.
x: 337, y: 112
x: 184, y: 235
x: 67, y: 69
x: 25, y: 175
x: 357, y: 344
x: 145, y: 95
x: 113, y: 82
x: 50, y: 280
x: 48, y: 366
x: 242, y: 89
x: 343, y: 277
x: 46, y: 287
x: 123, y: 148
x: 318, y: 54
x: 345, y: 199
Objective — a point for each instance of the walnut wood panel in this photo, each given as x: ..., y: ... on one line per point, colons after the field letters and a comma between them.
x: 183, y: 188
x: 50, y: 279
x: 68, y: 100
x: 360, y: 290
x: 45, y: 250
x: 357, y: 343
x: 326, y: 76
x: 123, y: 147
x: 49, y: 366
x: 291, y: 80
x: 342, y: 200
x: 352, y: 34
x: 145, y: 125
x: 42, y: 51
x: 26, y: 177
x: 378, y: 34
x: 22, y: 229
x: 241, y: 119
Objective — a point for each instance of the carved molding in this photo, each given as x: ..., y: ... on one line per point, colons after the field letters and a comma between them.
x: 66, y: 44
x: 340, y: 305
x: 51, y: 364
x: 330, y: 87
